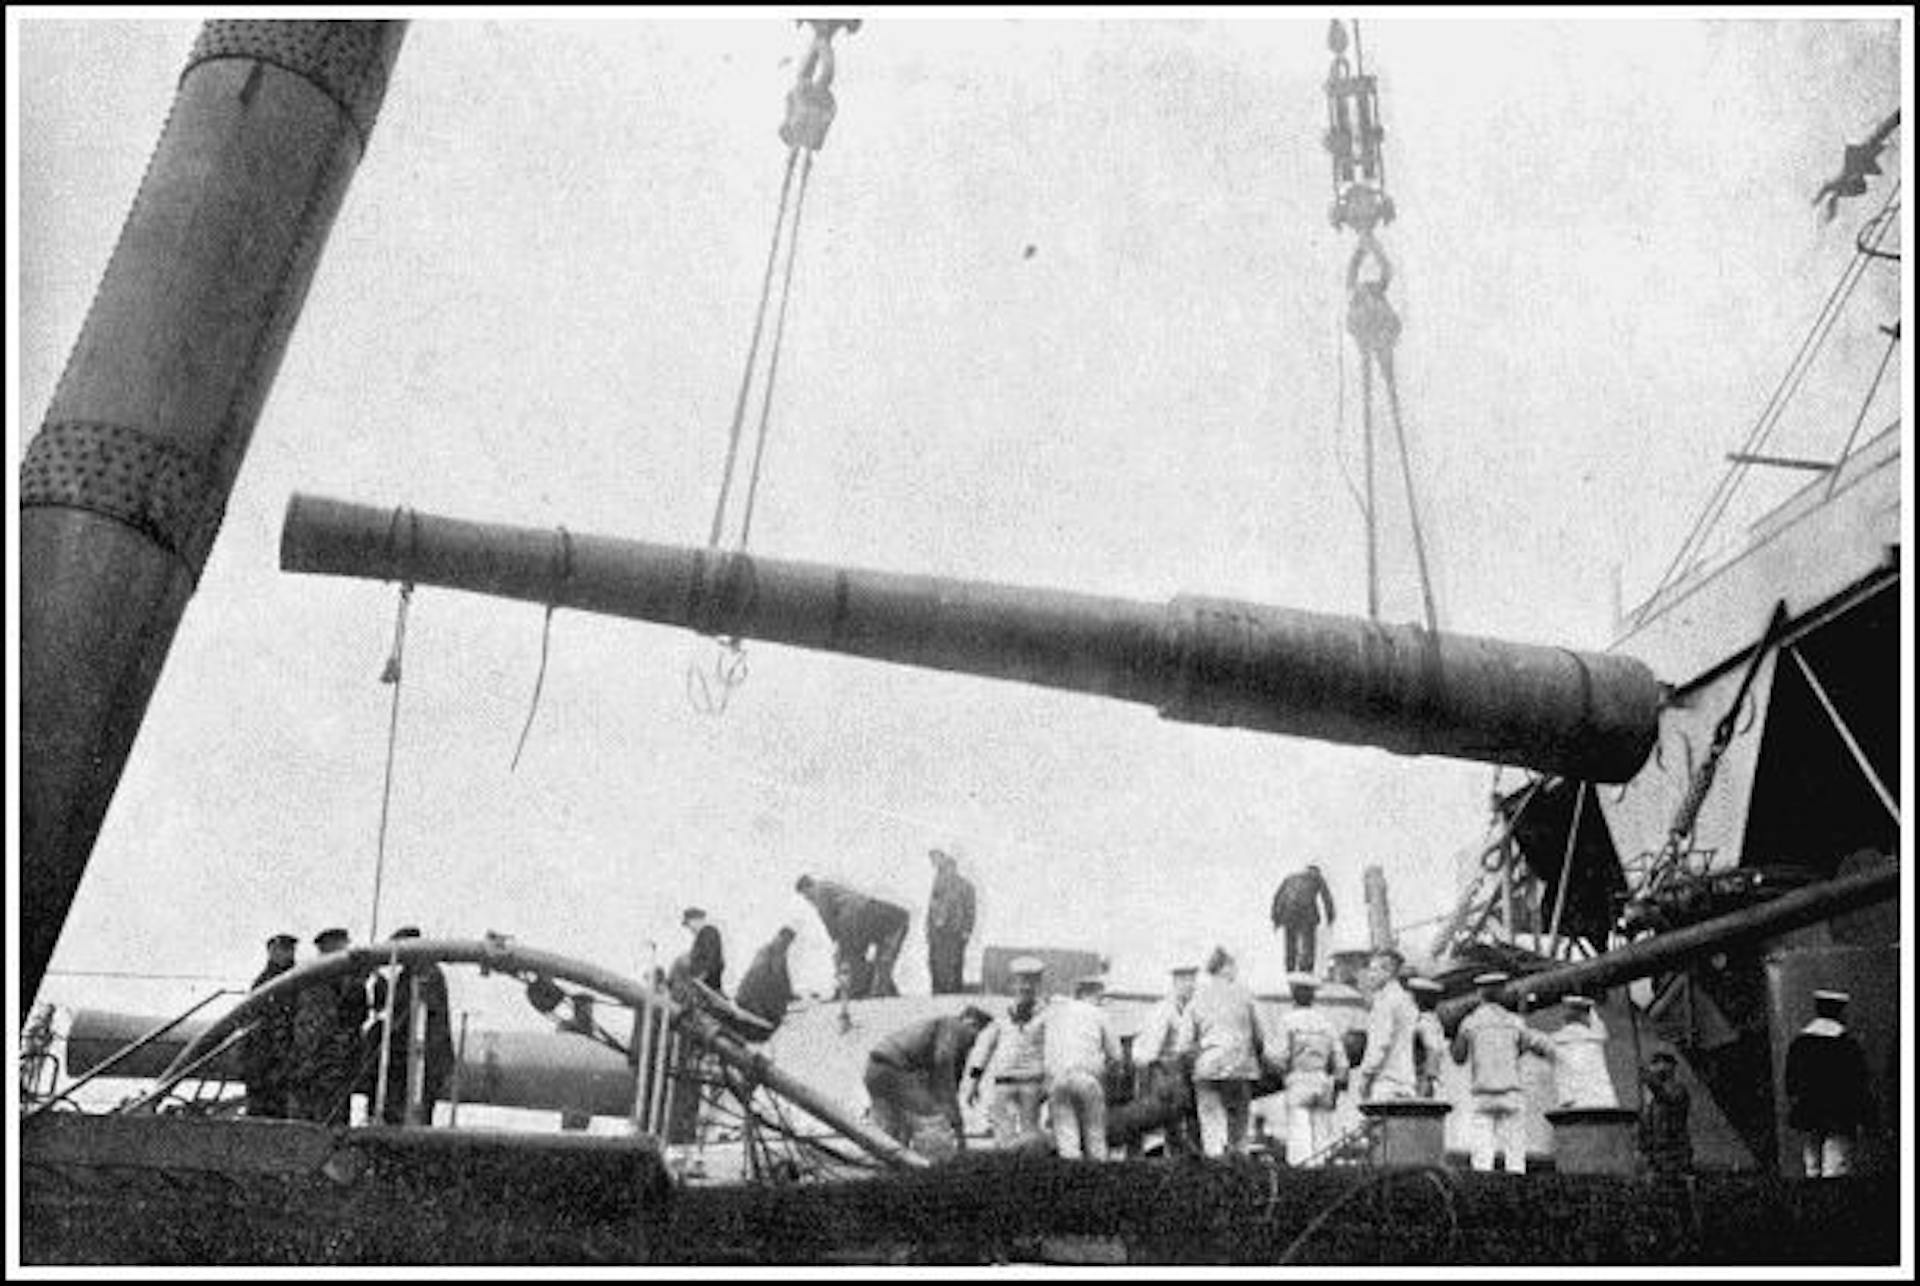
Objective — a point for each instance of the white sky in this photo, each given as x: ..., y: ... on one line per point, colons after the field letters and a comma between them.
x: 534, y: 306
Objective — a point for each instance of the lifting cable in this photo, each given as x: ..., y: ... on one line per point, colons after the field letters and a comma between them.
x: 810, y: 111
x: 1360, y: 201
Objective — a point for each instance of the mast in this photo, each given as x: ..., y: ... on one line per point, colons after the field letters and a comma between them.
x: 123, y: 490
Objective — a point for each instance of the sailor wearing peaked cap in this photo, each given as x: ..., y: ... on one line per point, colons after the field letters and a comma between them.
x: 264, y: 1050
x: 1010, y: 1055
x: 324, y: 1055
x: 1387, y: 1070
x: 1160, y: 1049
x: 1313, y: 1059
x: 1829, y: 1094
x: 1491, y: 1041
x: 1580, y: 1073
x: 1079, y: 1048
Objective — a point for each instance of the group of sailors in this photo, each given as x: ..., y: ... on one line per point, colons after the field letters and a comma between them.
x: 867, y: 932
x: 1048, y: 1070
x: 309, y: 1051
x: 1205, y: 1052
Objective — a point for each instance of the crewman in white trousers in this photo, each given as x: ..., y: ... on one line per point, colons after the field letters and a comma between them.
x: 1313, y: 1060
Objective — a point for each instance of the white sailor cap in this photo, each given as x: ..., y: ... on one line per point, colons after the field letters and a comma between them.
x: 1832, y: 997
x: 1492, y: 978
x: 1091, y: 984
x: 1026, y: 966
x: 1423, y: 984
x: 1578, y: 1001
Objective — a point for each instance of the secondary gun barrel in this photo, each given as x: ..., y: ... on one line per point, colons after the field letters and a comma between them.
x: 123, y: 489
x: 1197, y: 660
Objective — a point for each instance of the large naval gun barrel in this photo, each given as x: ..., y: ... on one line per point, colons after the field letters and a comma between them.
x: 1197, y: 660
x: 123, y: 489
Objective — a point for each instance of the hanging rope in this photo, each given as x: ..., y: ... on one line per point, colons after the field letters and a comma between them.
x: 562, y: 580
x: 810, y: 111
x: 390, y: 674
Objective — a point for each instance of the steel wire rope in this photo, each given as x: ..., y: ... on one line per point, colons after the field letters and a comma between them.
x: 1866, y: 404
x: 729, y: 668
x: 1871, y: 227
x: 1775, y: 404
x: 1413, y: 505
x: 1729, y: 483
x: 773, y: 352
x: 753, y: 352
x: 1783, y: 393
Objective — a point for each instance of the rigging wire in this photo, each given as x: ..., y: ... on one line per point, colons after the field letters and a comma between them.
x: 1776, y: 404
x: 1866, y: 404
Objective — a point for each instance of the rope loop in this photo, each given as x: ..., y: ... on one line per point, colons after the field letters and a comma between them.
x: 563, y: 579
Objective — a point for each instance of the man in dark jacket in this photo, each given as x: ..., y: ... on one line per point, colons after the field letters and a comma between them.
x: 428, y: 984
x: 1828, y: 1097
x: 1296, y: 909
x: 266, y: 1049
x: 1666, y: 1140
x: 867, y: 933
x: 915, y: 1073
x: 326, y: 1041
x: 706, y: 961
x: 767, y: 989
x: 949, y: 924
